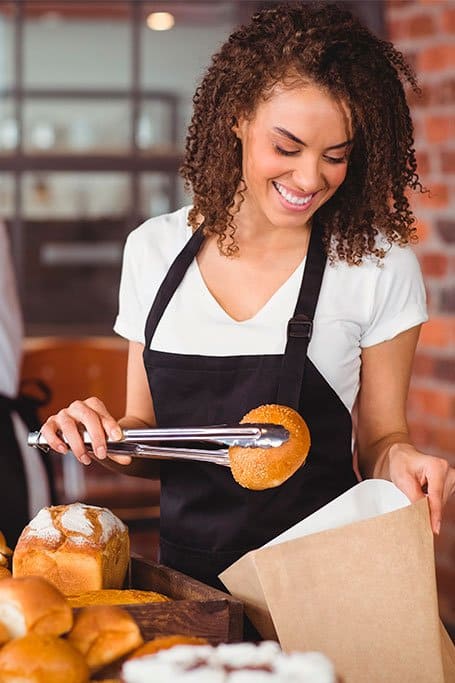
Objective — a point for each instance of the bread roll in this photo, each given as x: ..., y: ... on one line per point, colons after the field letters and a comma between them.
x: 77, y: 547
x: 112, y: 596
x: 264, y: 468
x: 32, y: 604
x: 5, y: 552
x: 165, y: 643
x: 103, y: 634
x: 41, y: 659
x: 4, y: 573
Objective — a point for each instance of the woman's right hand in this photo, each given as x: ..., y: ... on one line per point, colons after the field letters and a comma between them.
x: 63, y: 431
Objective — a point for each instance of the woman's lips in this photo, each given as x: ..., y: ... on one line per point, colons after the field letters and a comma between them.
x: 291, y: 200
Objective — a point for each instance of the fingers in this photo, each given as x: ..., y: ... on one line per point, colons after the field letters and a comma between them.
x: 120, y: 459
x: 440, y: 481
x: 64, y: 430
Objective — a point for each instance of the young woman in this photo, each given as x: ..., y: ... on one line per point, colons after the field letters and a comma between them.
x: 299, y: 157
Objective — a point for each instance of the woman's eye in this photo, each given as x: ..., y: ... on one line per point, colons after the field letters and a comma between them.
x: 286, y: 152
x: 336, y: 160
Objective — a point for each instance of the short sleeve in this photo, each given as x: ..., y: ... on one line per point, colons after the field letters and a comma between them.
x: 130, y: 321
x: 399, y: 299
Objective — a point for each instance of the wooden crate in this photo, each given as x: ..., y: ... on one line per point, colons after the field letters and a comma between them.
x: 196, y: 609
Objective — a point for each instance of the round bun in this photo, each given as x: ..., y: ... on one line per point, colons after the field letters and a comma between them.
x: 166, y: 642
x: 4, y: 572
x: 103, y: 634
x: 32, y: 604
x: 41, y: 659
x: 5, y: 552
x: 264, y: 468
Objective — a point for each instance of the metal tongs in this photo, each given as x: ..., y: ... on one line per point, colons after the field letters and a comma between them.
x: 186, y: 443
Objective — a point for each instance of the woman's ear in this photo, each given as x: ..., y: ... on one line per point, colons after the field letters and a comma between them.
x: 238, y: 126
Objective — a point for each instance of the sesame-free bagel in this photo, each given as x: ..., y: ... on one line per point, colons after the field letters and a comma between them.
x: 263, y: 468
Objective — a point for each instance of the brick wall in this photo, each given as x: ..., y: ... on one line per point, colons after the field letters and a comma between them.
x: 425, y: 31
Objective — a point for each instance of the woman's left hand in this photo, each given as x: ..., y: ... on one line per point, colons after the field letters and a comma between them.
x: 417, y: 474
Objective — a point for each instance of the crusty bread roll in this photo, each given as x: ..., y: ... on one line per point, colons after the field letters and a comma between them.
x: 77, y: 547
x: 4, y: 573
x: 264, y: 468
x: 41, y: 659
x: 166, y: 642
x: 113, y: 596
x: 5, y: 553
x: 103, y: 634
x: 32, y: 604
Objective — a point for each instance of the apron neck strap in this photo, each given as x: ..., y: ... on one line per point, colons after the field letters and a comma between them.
x: 300, y: 326
x: 170, y: 283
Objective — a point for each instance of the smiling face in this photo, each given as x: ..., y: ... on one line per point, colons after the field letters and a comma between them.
x: 295, y: 152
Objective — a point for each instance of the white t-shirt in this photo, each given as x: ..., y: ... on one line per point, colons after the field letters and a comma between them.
x: 358, y: 306
x: 11, y: 333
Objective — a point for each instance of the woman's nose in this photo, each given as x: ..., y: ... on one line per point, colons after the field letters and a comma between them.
x: 308, y: 176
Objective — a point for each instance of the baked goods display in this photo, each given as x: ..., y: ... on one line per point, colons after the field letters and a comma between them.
x: 113, y: 596
x: 263, y: 468
x: 231, y: 663
x: 78, y: 547
x: 103, y: 634
x: 36, y: 658
x: 32, y: 604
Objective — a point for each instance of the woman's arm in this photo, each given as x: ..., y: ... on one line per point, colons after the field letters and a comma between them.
x: 139, y: 405
x: 92, y: 415
x: 384, y: 447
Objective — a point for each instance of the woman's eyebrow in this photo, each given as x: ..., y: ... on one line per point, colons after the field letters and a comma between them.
x: 294, y: 138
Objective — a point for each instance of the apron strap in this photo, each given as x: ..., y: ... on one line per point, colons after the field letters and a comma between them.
x: 170, y: 283
x: 300, y: 326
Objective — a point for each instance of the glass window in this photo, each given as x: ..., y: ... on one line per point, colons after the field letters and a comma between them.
x: 75, y: 195
x: 6, y: 45
x: 9, y: 131
x: 76, y: 126
x: 175, y: 60
x: 77, y: 44
x: 6, y: 195
x: 155, y: 125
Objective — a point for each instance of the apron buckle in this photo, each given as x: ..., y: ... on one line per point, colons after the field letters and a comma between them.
x: 300, y: 326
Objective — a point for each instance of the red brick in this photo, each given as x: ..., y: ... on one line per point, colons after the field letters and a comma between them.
x: 448, y: 161
x: 439, y: 128
x: 448, y: 20
x: 436, y: 197
x: 434, y: 264
x: 446, y: 230
x: 420, y: 25
x: 444, y: 368
x: 423, y: 365
x: 447, y: 300
x: 432, y: 402
x: 439, y: 332
x: 423, y: 163
x: 436, y: 57
x: 422, y: 229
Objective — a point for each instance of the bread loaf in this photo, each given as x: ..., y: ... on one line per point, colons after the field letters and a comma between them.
x: 77, y: 547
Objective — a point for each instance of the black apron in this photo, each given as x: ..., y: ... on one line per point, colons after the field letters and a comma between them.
x: 207, y: 520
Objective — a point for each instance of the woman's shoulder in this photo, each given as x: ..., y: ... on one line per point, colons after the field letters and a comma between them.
x: 161, y: 236
x: 397, y: 260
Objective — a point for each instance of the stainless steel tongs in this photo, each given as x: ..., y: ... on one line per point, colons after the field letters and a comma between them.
x: 186, y: 443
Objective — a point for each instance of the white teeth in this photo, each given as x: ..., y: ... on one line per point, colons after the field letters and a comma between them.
x: 292, y: 199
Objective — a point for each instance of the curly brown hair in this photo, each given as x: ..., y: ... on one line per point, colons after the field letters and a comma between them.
x: 327, y: 45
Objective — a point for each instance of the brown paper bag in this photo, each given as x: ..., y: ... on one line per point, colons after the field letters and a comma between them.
x: 363, y: 593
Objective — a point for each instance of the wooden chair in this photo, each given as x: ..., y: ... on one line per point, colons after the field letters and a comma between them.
x: 77, y: 368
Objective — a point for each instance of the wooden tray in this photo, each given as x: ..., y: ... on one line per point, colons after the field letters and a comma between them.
x: 196, y: 609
